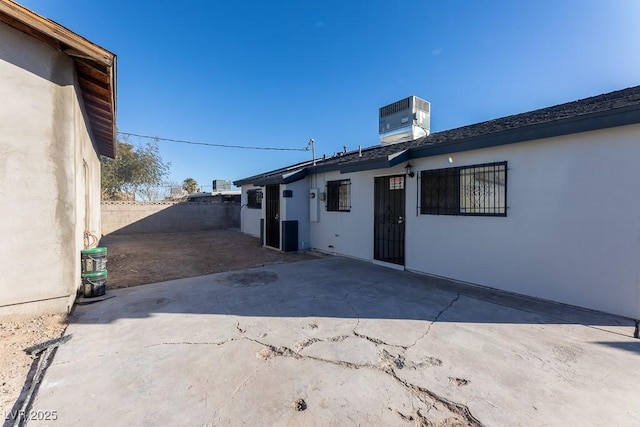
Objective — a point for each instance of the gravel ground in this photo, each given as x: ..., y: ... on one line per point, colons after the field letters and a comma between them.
x: 16, y: 334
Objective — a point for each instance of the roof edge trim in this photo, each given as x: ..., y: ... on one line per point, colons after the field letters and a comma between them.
x: 58, y: 32
x: 578, y: 124
x: 285, y: 178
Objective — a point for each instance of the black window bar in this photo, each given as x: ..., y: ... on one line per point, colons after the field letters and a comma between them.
x: 339, y: 195
x: 254, y: 199
x: 478, y: 190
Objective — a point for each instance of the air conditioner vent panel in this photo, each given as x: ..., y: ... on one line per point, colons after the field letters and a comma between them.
x: 404, y: 120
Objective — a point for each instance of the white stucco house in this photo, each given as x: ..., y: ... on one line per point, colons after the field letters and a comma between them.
x: 544, y: 203
x: 57, y: 116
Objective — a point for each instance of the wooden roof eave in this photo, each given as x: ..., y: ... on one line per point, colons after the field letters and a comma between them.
x: 57, y: 32
x: 95, y: 68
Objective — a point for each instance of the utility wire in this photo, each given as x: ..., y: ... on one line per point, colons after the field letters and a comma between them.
x: 181, y: 141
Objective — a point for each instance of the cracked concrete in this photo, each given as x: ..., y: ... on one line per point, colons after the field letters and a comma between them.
x: 357, y: 343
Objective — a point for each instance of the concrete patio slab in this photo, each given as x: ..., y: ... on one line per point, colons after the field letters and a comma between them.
x: 336, y: 341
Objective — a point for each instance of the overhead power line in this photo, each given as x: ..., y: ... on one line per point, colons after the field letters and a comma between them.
x: 182, y: 141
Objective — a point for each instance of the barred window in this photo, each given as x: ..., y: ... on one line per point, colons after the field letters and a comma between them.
x: 479, y: 190
x: 254, y: 199
x: 339, y: 195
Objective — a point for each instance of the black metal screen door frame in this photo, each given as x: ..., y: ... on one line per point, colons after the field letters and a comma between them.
x: 389, y: 219
x: 272, y: 216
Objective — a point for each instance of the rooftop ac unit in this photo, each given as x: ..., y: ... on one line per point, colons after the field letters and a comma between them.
x: 404, y: 120
x: 220, y: 185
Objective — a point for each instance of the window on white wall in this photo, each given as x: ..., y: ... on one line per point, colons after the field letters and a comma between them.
x: 339, y: 195
x: 254, y: 199
x: 479, y: 190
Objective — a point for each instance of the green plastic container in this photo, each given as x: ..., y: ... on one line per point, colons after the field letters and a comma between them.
x: 93, y: 260
x: 94, y: 284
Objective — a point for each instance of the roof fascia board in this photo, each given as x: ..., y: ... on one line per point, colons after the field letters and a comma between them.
x: 324, y: 168
x: 241, y: 182
x: 585, y: 123
x: 400, y: 157
x: 114, y: 94
x: 379, y: 163
x: 362, y: 165
x: 269, y: 181
x: 275, y: 179
x: 52, y: 29
x: 295, y: 176
x: 282, y: 172
x: 288, y: 175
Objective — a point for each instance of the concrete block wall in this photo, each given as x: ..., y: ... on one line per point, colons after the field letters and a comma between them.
x: 166, y: 217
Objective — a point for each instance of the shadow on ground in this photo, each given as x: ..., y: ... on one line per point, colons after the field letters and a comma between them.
x: 331, y: 287
x: 335, y: 341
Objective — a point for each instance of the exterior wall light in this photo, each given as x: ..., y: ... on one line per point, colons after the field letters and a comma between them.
x: 409, y: 170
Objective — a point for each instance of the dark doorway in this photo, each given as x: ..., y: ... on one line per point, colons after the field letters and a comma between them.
x: 389, y: 219
x: 272, y: 223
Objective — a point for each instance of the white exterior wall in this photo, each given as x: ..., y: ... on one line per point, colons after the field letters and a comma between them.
x: 348, y: 233
x: 296, y: 208
x: 572, y: 231
x: 250, y: 218
x: 47, y: 195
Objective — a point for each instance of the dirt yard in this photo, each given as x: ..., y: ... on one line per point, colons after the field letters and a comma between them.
x: 134, y: 260
x: 139, y: 259
x: 16, y: 334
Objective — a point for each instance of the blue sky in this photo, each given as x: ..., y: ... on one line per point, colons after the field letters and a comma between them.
x: 276, y: 73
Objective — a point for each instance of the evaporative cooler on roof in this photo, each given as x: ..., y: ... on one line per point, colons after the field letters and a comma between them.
x: 404, y: 120
x: 220, y: 185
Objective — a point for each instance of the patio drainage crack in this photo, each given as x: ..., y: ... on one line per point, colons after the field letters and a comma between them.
x: 239, y: 329
x: 284, y: 351
x: 378, y: 341
x: 426, y: 396
x: 237, y: 390
x: 346, y: 299
x: 453, y: 301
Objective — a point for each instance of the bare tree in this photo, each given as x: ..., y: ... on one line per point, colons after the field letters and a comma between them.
x: 136, y: 171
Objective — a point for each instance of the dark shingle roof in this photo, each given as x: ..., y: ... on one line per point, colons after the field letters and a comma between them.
x: 612, y: 109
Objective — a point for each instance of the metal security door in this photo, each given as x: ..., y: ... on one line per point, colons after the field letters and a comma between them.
x: 272, y: 216
x: 389, y: 219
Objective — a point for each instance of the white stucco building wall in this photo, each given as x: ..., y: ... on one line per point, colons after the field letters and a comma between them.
x: 249, y: 217
x: 348, y: 233
x: 572, y: 231
x: 49, y: 177
x: 571, y: 234
x: 296, y: 208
